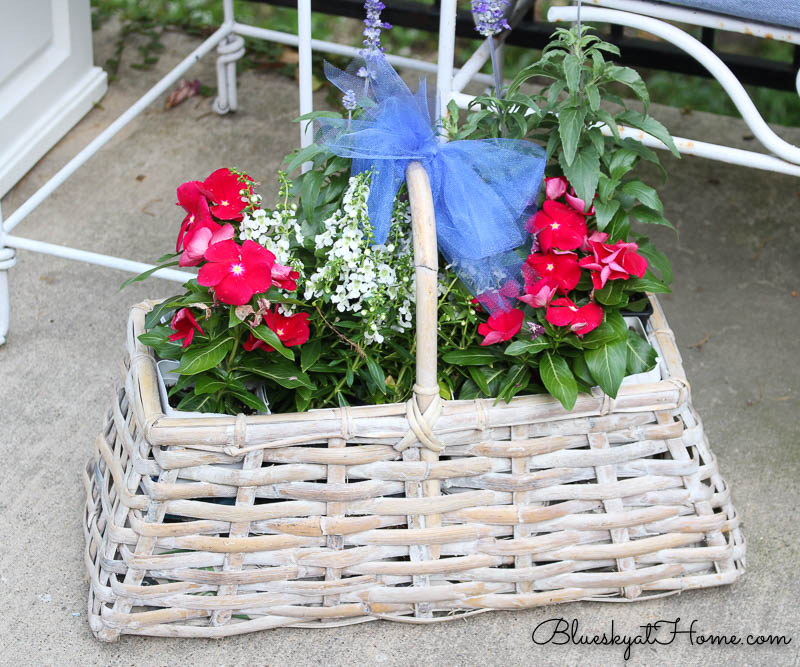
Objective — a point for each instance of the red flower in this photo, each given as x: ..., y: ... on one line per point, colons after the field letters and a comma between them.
x: 184, y: 325
x: 540, y: 293
x: 558, y: 226
x: 612, y: 261
x: 237, y: 272
x: 563, y: 312
x: 562, y: 267
x: 224, y: 188
x: 285, y: 277
x: 292, y: 330
x: 197, y: 240
x: 577, y: 203
x: 192, y: 200
x: 555, y: 187
x: 501, y: 299
x: 502, y: 325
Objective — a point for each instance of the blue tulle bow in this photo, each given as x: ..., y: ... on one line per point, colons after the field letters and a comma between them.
x: 483, y: 190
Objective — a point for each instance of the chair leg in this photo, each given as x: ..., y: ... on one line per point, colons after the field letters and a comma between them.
x: 7, y: 260
x: 230, y: 50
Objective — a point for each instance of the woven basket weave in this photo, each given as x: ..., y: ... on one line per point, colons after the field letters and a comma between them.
x: 412, y: 512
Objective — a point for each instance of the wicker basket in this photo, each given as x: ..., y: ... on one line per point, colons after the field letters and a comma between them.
x: 412, y: 512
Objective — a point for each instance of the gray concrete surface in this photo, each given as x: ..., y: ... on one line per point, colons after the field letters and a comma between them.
x: 735, y: 311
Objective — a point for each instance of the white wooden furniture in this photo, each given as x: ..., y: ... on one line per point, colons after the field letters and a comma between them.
x: 648, y: 16
x: 48, y: 80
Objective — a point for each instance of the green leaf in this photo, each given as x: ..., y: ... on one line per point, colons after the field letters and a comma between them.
x: 648, y: 215
x: 303, y: 155
x: 606, y: 187
x: 619, y: 227
x: 310, y: 353
x: 208, y: 384
x: 515, y: 381
x: 309, y: 193
x: 570, y: 126
x: 233, y: 320
x: 648, y: 283
x: 593, y: 96
x: 302, y: 399
x: 644, y: 193
x: 608, y: 119
x: 184, y: 381
x: 469, y: 391
x: 630, y: 77
x: 473, y: 356
x: 604, y: 211
x: 147, y: 274
x: 249, y: 399
x: 519, y: 347
x: 584, y: 172
x: 282, y: 371
x: 612, y: 293
x: 156, y: 336
x: 656, y: 260
x: 607, y: 365
x: 611, y: 330
x: 572, y: 72
x: 621, y: 162
x: 553, y: 92
x: 641, y: 357
x: 163, y: 309
x: 558, y: 379
x: 313, y: 115
x: 263, y: 332
x: 199, y: 358
x: 195, y: 403
x: 581, y: 371
x: 597, y: 139
x: 649, y: 125
x: 479, y: 379
x: 376, y: 374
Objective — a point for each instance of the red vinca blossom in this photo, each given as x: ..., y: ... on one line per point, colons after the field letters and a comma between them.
x: 502, y: 325
x: 292, y: 330
x: 555, y: 187
x: 224, y: 188
x: 562, y: 267
x: 558, y: 226
x: 540, y: 293
x: 501, y: 299
x: 184, y: 325
x: 612, y: 261
x: 563, y: 312
x: 577, y: 203
x: 199, y: 237
x: 285, y: 277
x: 237, y: 272
x: 193, y: 201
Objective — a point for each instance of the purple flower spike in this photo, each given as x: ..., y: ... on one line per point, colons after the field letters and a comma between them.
x: 349, y: 100
x: 374, y: 25
x: 490, y: 16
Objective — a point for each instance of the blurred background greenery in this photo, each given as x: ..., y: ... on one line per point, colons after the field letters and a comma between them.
x: 141, y: 24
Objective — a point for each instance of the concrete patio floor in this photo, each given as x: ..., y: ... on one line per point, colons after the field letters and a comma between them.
x: 735, y: 310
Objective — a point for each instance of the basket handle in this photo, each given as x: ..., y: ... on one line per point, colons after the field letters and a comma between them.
x: 426, y: 267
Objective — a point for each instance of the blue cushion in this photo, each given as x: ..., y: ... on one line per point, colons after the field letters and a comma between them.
x: 784, y: 13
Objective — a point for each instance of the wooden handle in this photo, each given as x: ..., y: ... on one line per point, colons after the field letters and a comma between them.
x: 426, y: 263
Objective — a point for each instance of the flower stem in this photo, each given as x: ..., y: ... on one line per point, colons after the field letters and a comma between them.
x: 498, y: 84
